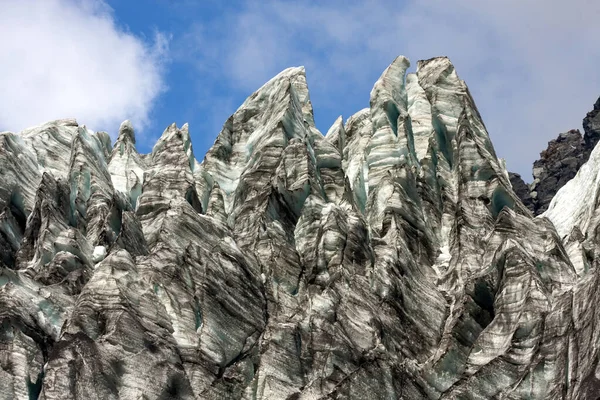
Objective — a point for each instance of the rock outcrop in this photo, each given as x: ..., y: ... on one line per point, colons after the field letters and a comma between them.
x: 387, y: 259
x: 522, y: 190
x: 559, y: 163
x: 591, y: 126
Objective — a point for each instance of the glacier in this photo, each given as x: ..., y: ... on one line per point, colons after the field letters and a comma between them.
x: 388, y: 258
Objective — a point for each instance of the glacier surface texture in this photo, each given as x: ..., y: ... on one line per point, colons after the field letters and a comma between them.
x: 387, y: 259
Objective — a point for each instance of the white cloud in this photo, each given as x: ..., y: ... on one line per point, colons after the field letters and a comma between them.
x: 68, y: 58
x: 532, y: 66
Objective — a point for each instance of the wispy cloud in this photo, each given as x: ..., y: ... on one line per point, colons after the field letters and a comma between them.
x: 532, y: 66
x: 68, y: 58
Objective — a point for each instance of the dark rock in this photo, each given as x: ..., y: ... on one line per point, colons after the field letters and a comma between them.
x: 591, y: 126
x: 521, y: 189
x: 559, y: 163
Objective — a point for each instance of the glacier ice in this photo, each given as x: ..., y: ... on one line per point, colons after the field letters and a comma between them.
x: 387, y: 259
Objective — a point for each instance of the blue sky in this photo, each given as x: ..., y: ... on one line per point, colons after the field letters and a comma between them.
x: 532, y: 66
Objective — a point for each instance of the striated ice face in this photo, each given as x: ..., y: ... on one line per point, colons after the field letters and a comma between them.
x: 387, y: 259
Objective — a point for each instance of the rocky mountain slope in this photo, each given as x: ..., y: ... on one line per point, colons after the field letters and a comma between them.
x: 558, y: 163
x: 387, y: 259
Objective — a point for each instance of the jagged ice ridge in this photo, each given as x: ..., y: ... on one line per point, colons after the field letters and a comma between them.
x: 387, y: 259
